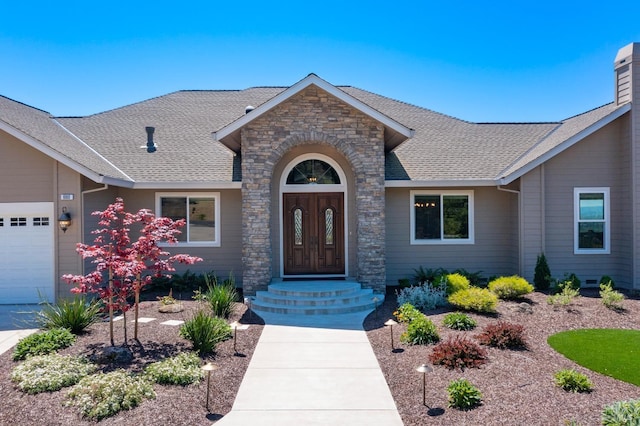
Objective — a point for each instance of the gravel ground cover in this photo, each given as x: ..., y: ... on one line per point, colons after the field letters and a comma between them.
x: 517, y: 385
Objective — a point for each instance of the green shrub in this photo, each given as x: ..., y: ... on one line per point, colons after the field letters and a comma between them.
x: 475, y: 278
x: 572, y: 381
x: 542, y: 273
x: 569, y: 280
x: 474, y: 299
x: 205, y: 332
x: 463, y: 395
x: 510, y: 288
x: 459, y: 321
x: 606, y: 279
x: 503, y: 335
x: 564, y: 298
x: 420, y: 331
x: 423, y: 276
x: 407, y: 313
x: 220, y: 296
x: 621, y: 413
x: 75, y: 314
x: 182, y: 369
x: 610, y: 298
x: 424, y: 297
x: 456, y: 282
x: 458, y: 352
x: 103, y: 395
x: 48, y: 373
x: 43, y: 343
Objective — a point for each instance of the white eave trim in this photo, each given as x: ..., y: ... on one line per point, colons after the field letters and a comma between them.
x: 45, y: 149
x: 505, y: 180
x: 298, y: 87
x: 463, y: 183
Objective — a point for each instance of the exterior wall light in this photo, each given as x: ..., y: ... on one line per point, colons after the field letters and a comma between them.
x: 64, y: 221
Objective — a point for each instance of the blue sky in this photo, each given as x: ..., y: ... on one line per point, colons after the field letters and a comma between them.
x: 479, y: 61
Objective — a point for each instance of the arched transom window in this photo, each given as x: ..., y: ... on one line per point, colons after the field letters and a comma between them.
x: 313, y: 172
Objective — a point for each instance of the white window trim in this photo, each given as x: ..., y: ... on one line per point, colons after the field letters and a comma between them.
x: 214, y: 195
x: 576, y: 220
x: 412, y: 218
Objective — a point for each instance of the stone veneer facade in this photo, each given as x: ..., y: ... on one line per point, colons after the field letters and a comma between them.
x: 313, y: 116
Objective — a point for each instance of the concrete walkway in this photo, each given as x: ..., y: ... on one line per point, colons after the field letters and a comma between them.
x: 312, y: 370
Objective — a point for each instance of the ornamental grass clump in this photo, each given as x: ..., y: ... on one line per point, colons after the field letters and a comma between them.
x: 503, y: 335
x: 572, y: 381
x: 220, y: 296
x: 75, y: 314
x: 182, y: 369
x: 474, y: 299
x: 621, y: 413
x: 103, y: 395
x: 43, y: 343
x: 420, y: 331
x: 458, y: 353
x: 459, y: 321
x: 48, y: 373
x: 510, y: 288
x: 463, y: 395
x: 205, y: 332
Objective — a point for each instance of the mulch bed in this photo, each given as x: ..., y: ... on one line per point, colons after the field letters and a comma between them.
x: 517, y: 386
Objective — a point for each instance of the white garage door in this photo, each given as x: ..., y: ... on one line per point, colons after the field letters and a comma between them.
x: 26, y: 252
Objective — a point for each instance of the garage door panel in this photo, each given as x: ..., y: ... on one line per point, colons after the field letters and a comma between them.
x: 26, y: 252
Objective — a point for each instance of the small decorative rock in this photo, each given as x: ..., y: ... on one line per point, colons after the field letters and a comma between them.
x: 523, y: 308
x: 113, y: 355
x: 172, y: 308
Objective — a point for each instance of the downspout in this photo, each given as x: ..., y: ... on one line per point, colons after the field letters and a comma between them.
x: 520, y: 231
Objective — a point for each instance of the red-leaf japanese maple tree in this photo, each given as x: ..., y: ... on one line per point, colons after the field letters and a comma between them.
x: 126, y: 265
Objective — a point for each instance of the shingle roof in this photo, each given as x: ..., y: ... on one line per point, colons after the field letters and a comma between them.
x: 443, y: 149
x: 40, y: 126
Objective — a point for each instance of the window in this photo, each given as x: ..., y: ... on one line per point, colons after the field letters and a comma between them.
x: 592, y: 223
x: 201, y: 211
x: 313, y: 172
x: 444, y: 217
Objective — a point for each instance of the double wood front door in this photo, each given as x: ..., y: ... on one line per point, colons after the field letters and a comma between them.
x: 313, y: 233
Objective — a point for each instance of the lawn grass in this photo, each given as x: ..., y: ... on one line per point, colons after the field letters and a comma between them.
x: 612, y: 352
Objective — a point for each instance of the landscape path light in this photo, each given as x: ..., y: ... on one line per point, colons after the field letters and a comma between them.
x: 424, y: 369
x: 390, y: 323
x: 209, y: 367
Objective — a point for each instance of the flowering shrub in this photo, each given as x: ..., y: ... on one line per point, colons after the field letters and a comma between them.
x: 103, y: 395
x: 463, y: 395
x: 572, y: 381
x: 47, y: 373
x: 182, y: 369
x: 43, y: 343
x: 458, y: 352
x: 407, y: 313
x: 420, y: 331
x: 456, y: 282
x: 459, y: 321
x: 503, y: 335
x: 474, y: 299
x: 424, y: 297
x: 510, y: 288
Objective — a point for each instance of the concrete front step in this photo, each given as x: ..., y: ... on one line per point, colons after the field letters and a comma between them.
x: 316, y: 298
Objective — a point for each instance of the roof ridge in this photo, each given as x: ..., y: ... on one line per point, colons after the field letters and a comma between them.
x: 27, y: 105
x: 587, y: 112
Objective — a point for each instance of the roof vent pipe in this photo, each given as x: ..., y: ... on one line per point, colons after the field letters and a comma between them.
x: 249, y: 108
x: 151, y: 146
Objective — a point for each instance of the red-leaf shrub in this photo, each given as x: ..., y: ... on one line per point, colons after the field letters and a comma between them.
x: 503, y: 335
x: 458, y: 352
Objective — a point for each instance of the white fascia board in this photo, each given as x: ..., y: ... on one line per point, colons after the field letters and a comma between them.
x: 505, y: 180
x: 298, y: 87
x: 187, y: 185
x: 439, y: 183
x: 45, y: 149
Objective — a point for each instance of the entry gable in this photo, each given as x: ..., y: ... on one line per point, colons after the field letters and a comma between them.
x: 395, y: 132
